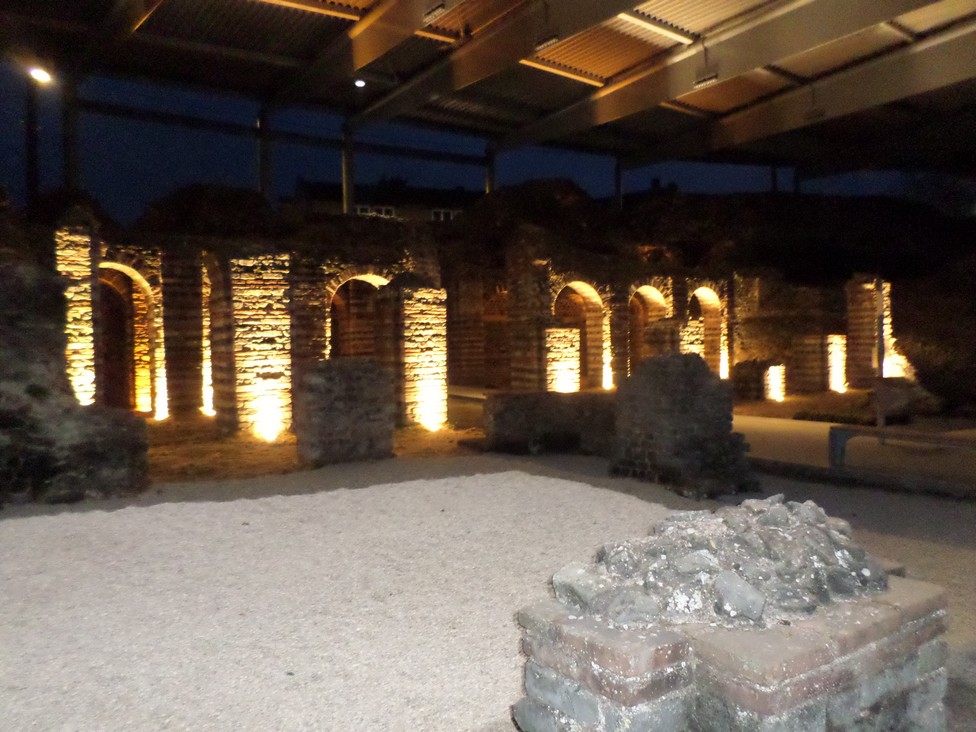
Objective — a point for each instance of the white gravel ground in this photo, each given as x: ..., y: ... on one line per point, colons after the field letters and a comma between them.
x: 387, y: 608
x: 380, y: 606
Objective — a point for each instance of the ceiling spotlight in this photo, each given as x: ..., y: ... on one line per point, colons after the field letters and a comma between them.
x: 359, y: 83
x: 41, y: 76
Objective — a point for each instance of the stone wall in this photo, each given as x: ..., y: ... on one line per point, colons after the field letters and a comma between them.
x: 344, y: 411
x: 674, y: 426
x: 52, y: 449
x: 523, y: 422
x: 760, y: 617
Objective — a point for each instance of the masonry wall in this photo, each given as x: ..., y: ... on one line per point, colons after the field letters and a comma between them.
x: 862, y: 332
x: 183, y: 326
x: 262, y: 351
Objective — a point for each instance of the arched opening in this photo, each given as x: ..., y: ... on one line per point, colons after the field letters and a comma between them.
x: 578, y: 306
x: 132, y: 369
x: 705, y: 321
x: 354, y: 318
x: 647, y: 306
x: 115, y: 342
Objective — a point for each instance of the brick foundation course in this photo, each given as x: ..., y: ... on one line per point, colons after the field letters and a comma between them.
x: 874, y: 663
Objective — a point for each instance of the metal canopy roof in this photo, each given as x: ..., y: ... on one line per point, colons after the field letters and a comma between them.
x: 827, y: 85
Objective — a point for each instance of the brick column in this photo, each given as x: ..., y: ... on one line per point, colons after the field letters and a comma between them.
x: 183, y: 331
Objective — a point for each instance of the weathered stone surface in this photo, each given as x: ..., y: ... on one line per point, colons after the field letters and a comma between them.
x: 674, y: 426
x: 727, y: 621
x: 52, y: 449
x: 344, y: 412
x: 550, y: 422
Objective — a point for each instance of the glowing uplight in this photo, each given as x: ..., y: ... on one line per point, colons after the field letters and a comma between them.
x: 723, y: 363
x: 269, y: 415
x: 775, y: 383
x: 607, y: 355
x: 837, y: 363
x: 431, y: 410
x: 563, y: 359
x: 359, y: 83
x: 40, y: 75
x: 425, y: 356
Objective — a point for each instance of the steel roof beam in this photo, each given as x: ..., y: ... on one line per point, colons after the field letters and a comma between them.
x: 939, y: 61
x: 387, y: 25
x: 789, y: 28
x: 499, y: 46
x: 123, y: 19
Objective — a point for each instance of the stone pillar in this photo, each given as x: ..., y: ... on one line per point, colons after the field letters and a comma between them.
x: 183, y: 328
x: 466, y: 329
x: 262, y: 351
x: 309, y: 313
x: 529, y: 314
x: 424, y: 356
x: 77, y: 253
x: 344, y: 412
x: 862, y: 332
x: 619, y: 338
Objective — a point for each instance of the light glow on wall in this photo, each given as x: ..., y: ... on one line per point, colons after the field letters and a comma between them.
x: 73, y: 249
x: 268, y: 419
x: 837, y: 363
x: 895, y: 365
x: 425, y: 356
x: 774, y: 383
x: 206, y: 362
x: 262, y: 342
x: 723, y: 362
x: 607, y: 354
x: 563, y: 360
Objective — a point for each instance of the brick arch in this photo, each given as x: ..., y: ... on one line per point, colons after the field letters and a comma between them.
x: 355, y: 337
x: 710, y: 346
x: 646, y: 306
x: 149, y: 358
x: 577, y: 304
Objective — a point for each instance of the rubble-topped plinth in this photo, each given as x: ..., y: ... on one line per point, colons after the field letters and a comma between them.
x: 766, y: 616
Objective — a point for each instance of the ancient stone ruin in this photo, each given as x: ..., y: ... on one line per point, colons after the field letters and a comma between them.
x: 52, y: 449
x: 344, y: 412
x: 674, y: 426
x: 766, y: 616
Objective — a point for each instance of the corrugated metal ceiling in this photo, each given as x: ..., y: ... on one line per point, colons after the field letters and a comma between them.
x: 698, y: 16
x: 602, y: 52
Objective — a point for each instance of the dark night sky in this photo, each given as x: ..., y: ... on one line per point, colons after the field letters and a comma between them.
x: 127, y: 164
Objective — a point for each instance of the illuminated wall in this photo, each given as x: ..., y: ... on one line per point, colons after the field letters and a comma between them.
x: 206, y: 361
x: 76, y: 263
x: 837, y: 363
x: 895, y: 364
x: 562, y: 359
x: 262, y: 344
x: 708, y: 335
x: 425, y: 356
x: 774, y: 383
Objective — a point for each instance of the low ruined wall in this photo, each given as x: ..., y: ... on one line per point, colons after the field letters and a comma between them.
x: 344, y: 411
x: 696, y: 628
x: 51, y: 448
x: 674, y: 426
x: 541, y: 421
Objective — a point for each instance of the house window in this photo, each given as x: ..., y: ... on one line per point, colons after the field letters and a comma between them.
x: 386, y: 212
x: 443, y: 214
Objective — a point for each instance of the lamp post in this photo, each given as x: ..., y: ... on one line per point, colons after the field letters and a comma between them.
x: 38, y: 77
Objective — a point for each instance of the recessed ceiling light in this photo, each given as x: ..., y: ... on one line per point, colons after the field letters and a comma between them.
x: 41, y: 76
x: 359, y: 83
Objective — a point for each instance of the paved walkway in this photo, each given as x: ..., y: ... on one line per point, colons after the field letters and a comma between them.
x: 799, y: 448
x: 901, y: 463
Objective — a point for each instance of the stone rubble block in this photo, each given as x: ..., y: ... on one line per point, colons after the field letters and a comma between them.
x: 344, y: 412
x: 869, y: 659
x: 674, y: 426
